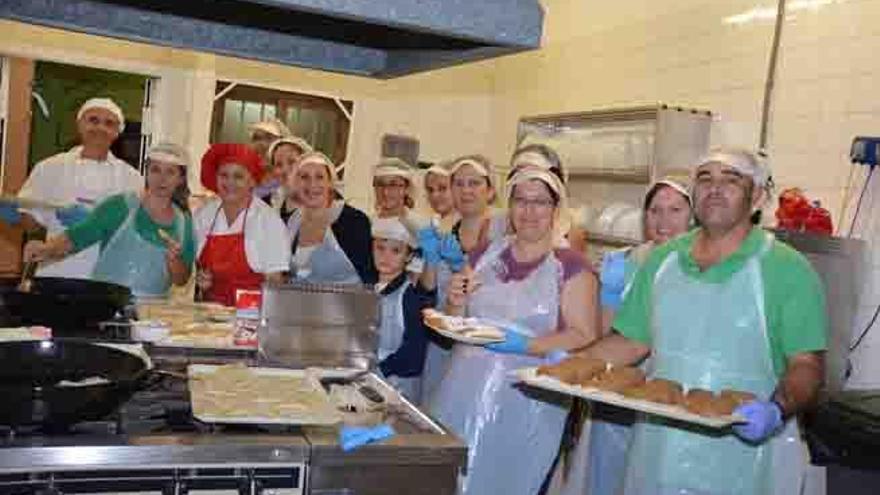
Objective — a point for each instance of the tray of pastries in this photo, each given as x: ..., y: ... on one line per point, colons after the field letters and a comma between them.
x: 628, y: 387
x: 474, y: 331
x: 237, y: 394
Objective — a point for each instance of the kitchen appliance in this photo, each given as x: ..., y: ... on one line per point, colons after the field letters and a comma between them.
x: 327, y: 325
x: 151, y: 444
x: 840, y: 263
x: 70, y: 307
x: 55, y: 384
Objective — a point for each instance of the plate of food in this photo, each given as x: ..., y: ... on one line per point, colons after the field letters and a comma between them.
x: 237, y: 394
x: 474, y: 331
x: 628, y: 387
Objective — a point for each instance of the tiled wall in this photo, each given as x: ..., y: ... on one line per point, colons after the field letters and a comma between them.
x: 704, y: 53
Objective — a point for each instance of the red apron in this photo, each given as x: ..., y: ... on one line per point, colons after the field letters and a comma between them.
x: 224, y: 256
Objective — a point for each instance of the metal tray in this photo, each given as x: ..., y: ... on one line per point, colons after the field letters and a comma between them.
x: 678, y: 413
x: 323, y: 414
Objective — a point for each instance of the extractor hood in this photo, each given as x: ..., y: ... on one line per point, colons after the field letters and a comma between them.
x: 377, y: 38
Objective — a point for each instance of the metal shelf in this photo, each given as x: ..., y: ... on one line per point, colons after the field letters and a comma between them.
x: 629, y: 176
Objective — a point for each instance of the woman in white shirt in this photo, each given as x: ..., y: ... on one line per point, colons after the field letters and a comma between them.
x: 241, y: 239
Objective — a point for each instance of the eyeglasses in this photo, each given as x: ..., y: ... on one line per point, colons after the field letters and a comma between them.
x: 541, y: 204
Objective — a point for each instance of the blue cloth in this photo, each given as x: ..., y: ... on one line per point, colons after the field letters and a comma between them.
x: 352, y: 437
x: 429, y: 243
x: 513, y: 343
x: 10, y: 214
x: 613, y: 278
x: 764, y: 418
x: 451, y: 252
x: 71, y: 215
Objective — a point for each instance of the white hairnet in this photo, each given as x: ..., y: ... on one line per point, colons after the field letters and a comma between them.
x: 743, y: 161
x: 393, y: 167
x: 272, y: 126
x: 106, y: 104
x: 320, y: 159
x: 393, y: 228
x: 170, y: 153
x: 297, y: 141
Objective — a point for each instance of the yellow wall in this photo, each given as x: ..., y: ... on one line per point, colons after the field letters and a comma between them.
x: 447, y: 110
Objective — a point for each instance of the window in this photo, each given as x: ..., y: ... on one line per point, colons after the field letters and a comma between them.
x: 318, y: 120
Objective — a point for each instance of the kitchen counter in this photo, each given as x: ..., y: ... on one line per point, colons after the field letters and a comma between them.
x: 152, y: 443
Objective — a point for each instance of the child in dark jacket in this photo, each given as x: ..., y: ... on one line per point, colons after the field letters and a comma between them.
x: 403, y: 336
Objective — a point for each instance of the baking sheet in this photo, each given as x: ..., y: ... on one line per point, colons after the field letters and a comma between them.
x: 247, y: 400
x: 531, y: 377
x: 459, y: 337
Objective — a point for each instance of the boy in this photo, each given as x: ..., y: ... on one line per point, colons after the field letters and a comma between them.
x: 403, y: 336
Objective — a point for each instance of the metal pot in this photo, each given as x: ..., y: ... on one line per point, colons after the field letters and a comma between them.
x: 70, y: 307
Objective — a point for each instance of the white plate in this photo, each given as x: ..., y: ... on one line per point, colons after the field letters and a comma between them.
x: 531, y: 377
x: 459, y: 337
x: 326, y: 414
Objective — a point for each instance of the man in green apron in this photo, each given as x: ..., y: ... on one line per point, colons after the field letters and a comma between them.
x: 725, y: 306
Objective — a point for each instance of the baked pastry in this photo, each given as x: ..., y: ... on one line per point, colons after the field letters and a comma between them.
x: 483, y: 332
x: 434, y: 319
x: 616, y: 379
x: 728, y: 400
x: 658, y: 390
x: 574, y: 370
x: 699, y: 401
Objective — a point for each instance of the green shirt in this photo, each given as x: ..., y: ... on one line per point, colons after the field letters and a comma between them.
x: 794, y: 298
x: 109, y: 215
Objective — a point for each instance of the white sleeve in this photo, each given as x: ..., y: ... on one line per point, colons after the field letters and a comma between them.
x: 37, y: 187
x: 202, y: 222
x: 269, y: 244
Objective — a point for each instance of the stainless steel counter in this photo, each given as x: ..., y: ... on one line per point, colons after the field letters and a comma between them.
x: 421, y: 459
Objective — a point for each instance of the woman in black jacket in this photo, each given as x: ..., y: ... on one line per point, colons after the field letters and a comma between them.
x: 331, y: 240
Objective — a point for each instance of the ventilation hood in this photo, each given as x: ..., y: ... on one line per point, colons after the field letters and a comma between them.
x: 376, y: 38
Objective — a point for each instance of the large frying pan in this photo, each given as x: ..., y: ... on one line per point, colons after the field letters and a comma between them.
x: 70, y: 307
x: 34, y: 391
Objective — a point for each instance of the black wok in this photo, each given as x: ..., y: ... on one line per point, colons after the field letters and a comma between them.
x: 70, y: 307
x: 32, y: 375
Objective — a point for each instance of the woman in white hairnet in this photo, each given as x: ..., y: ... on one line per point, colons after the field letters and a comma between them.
x: 599, y: 458
x: 331, y: 240
x: 77, y: 180
x: 146, y: 241
x: 545, y: 300
x: 438, y: 192
x: 393, y: 188
x: 282, y: 156
x: 472, y: 183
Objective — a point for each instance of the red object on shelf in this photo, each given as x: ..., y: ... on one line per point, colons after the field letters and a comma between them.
x: 797, y: 213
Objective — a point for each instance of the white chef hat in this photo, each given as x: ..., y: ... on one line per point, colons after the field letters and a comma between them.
x: 272, y: 126
x: 745, y: 162
x: 170, y: 153
x: 106, y: 104
x: 393, y: 228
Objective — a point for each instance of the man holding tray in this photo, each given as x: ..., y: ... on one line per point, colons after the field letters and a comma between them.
x: 725, y: 306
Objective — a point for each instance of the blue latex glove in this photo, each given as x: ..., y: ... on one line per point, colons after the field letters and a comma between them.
x: 555, y: 356
x: 514, y: 343
x: 429, y: 243
x: 613, y: 280
x: 352, y: 437
x: 10, y: 214
x: 451, y: 252
x: 71, y: 215
x: 764, y: 418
